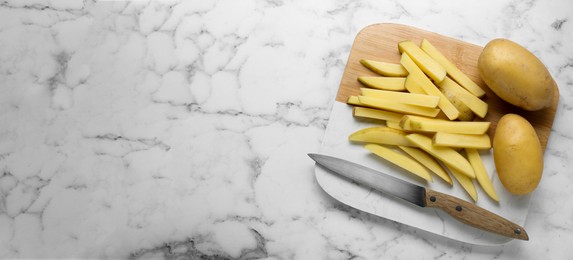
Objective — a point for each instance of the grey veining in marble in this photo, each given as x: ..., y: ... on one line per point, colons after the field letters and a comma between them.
x: 181, y: 128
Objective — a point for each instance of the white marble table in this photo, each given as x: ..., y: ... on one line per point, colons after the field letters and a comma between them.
x: 170, y: 129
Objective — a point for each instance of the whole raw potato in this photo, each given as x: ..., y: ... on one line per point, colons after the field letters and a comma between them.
x: 516, y: 75
x: 517, y: 154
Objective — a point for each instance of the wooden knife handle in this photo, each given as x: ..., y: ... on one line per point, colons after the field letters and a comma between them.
x: 474, y: 216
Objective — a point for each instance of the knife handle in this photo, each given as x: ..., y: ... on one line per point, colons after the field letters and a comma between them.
x: 473, y: 215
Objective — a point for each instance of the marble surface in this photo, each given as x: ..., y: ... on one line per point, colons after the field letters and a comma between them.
x: 165, y: 129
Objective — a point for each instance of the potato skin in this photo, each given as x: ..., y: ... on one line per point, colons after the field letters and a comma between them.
x: 515, y: 75
x: 517, y: 154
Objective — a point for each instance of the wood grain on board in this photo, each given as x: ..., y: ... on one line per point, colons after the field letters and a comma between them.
x: 380, y: 42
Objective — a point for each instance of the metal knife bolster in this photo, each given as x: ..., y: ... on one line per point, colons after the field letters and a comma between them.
x: 461, y: 210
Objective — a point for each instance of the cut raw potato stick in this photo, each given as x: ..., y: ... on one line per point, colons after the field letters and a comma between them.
x: 398, y: 107
x: 353, y: 100
x: 447, y: 155
x: 372, y: 113
x: 385, y: 83
x: 390, y: 108
x: 402, y: 97
x: 400, y: 160
x: 456, y: 127
x: 394, y: 125
x: 466, y: 182
x: 385, y: 68
x: 428, y: 161
x: 452, y: 69
x: 481, y: 174
x: 405, y: 122
x: 466, y: 114
x: 428, y: 65
x: 429, y: 88
x: 413, y: 86
x: 380, y: 135
x: 417, y: 123
x: 462, y: 140
x: 478, y: 106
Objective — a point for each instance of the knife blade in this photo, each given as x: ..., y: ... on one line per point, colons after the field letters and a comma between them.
x: 461, y: 210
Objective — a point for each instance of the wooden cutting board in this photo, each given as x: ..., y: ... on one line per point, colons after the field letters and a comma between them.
x: 380, y: 42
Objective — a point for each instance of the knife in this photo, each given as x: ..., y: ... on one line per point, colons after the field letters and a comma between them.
x: 461, y: 210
